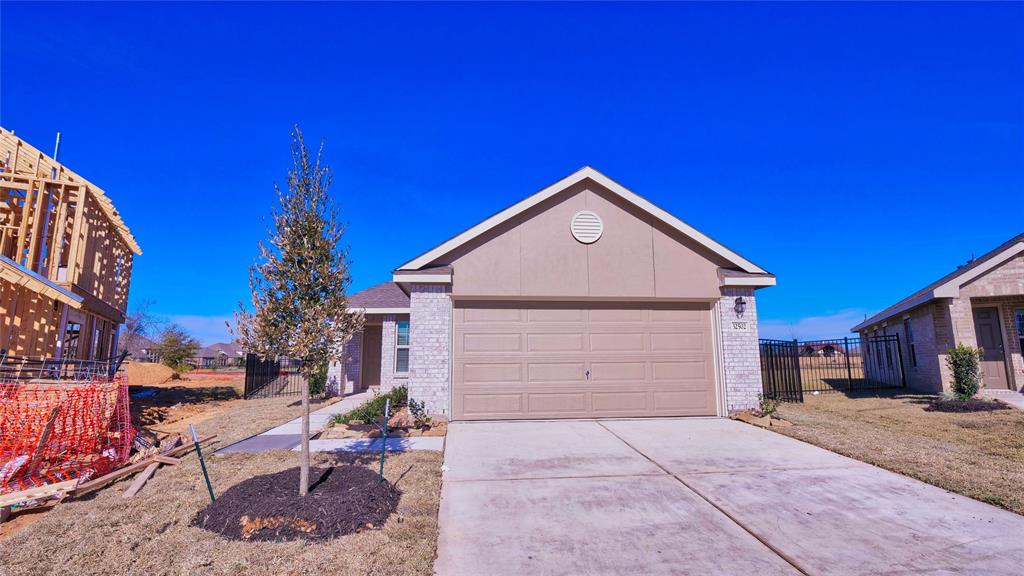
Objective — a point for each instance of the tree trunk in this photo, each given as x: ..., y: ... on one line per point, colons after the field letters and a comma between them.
x: 304, y: 464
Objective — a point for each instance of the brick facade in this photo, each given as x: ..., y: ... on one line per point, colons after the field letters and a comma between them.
x: 946, y: 322
x: 741, y: 358
x: 430, y: 340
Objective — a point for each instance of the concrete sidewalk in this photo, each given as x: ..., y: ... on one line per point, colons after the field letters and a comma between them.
x: 289, y: 435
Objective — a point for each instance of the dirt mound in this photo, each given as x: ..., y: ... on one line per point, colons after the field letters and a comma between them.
x: 342, y: 500
x: 148, y: 373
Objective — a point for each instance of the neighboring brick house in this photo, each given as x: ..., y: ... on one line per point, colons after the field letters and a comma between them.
x: 582, y: 300
x: 981, y: 303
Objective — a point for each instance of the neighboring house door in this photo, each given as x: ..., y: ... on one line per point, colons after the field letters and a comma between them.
x: 523, y: 360
x: 371, y: 357
x: 990, y: 339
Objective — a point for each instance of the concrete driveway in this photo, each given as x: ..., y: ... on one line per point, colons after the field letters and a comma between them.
x: 697, y: 496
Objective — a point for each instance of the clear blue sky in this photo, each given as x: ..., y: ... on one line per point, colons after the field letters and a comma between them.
x: 857, y: 151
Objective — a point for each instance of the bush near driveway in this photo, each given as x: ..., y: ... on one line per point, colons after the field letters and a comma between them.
x: 976, y: 453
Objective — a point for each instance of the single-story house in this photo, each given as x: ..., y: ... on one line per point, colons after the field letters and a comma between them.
x: 981, y: 303
x: 582, y: 300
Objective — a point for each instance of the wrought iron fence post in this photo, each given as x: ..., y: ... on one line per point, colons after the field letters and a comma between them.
x: 849, y: 369
x: 799, y: 376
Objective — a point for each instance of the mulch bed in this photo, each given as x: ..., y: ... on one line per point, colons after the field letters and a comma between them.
x: 342, y: 499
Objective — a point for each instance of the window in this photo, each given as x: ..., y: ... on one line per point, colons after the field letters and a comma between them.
x: 402, y: 347
x: 71, y: 334
x: 1018, y: 315
x: 910, y: 342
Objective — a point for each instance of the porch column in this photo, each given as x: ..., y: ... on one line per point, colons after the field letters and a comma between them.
x: 430, y: 346
x: 741, y: 355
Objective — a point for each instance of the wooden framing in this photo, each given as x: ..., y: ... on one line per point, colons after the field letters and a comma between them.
x: 63, y: 246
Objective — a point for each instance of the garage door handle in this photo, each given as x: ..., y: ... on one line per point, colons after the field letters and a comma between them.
x: 588, y: 374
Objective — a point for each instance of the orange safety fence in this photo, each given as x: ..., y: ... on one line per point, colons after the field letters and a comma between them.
x: 53, y: 431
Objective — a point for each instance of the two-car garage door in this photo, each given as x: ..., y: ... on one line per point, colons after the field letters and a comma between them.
x: 567, y: 360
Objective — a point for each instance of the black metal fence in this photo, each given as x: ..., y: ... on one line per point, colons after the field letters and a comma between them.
x: 790, y: 369
x: 272, y: 377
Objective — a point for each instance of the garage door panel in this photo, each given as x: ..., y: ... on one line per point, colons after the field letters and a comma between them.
x: 531, y: 360
x: 685, y: 402
x: 538, y: 372
x: 492, y: 405
x: 622, y: 401
x: 664, y: 371
x: 545, y: 343
x: 492, y: 372
x: 557, y: 403
x: 679, y: 342
x: 623, y: 370
x: 617, y: 342
x: 485, y: 342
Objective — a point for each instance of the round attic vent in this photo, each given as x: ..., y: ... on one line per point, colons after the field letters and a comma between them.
x: 586, y: 226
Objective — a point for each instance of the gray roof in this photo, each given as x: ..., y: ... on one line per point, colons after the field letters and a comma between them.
x: 925, y: 294
x: 229, y: 349
x: 386, y: 295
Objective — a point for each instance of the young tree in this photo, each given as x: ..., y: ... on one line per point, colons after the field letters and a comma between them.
x: 299, y: 281
x: 176, y: 346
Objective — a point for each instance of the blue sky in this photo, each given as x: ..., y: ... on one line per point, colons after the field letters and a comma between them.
x: 858, y: 151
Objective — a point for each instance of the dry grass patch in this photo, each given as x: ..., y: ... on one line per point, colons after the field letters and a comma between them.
x: 152, y: 533
x: 976, y: 450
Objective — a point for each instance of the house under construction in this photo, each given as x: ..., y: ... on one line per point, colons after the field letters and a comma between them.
x: 65, y: 259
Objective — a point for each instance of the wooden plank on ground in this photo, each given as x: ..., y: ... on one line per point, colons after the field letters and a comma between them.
x: 102, y: 481
x: 141, y: 480
x: 47, y: 490
x: 166, y: 459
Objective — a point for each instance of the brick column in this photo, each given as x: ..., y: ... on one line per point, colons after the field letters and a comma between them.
x: 430, y: 342
x: 741, y: 356
x: 388, y: 337
x: 343, y: 376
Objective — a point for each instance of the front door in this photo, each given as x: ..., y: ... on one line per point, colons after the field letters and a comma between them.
x: 990, y: 339
x: 371, y: 356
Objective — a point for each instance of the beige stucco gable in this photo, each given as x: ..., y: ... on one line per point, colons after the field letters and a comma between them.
x: 534, y: 254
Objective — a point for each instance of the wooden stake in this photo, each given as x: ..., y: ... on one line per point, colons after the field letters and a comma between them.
x: 141, y: 479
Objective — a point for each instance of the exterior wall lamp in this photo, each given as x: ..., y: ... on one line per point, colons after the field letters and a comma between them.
x: 740, y: 307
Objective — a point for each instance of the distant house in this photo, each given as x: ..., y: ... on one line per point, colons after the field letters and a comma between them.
x: 823, y: 349
x: 981, y: 303
x: 220, y: 355
x: 140, y: 348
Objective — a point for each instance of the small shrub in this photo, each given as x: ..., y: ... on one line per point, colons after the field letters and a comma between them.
x: 318, y: 380
x: 965, y: 363
x: 767, y: 404
x: 373, y: 409
x: 418, y: 409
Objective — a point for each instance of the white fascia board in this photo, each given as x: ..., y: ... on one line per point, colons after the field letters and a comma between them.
x: 422, y: 278
x: 748, y: 281
x: 873, y: 321
x: 579, y: 175
x: 951, y: 289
